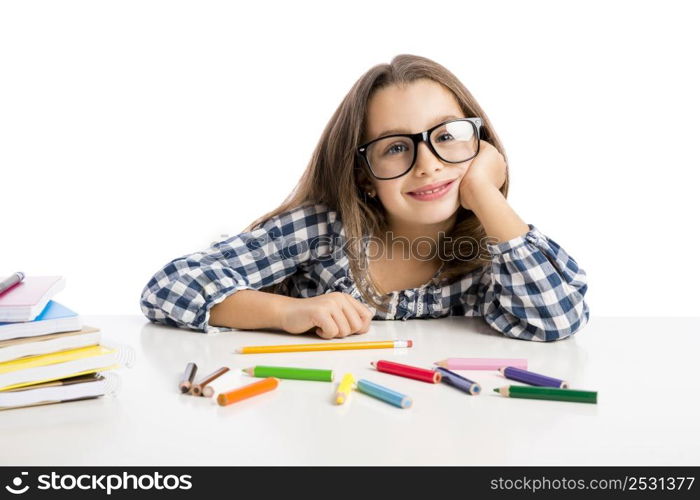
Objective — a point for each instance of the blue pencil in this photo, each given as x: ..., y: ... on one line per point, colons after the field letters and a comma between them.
x: 532, y: 378
x: 387, y: 395
x: 458, y: 381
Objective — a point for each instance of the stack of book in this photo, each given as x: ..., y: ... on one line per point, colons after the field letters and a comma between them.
x: 46, y: 354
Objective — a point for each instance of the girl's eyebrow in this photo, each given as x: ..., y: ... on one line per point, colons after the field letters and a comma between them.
x: 405, y: 131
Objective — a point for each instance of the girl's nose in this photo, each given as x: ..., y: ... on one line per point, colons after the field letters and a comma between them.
x: 426, y: 161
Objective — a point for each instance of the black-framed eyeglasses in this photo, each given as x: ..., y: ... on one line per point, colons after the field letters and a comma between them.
x: 392, y: 156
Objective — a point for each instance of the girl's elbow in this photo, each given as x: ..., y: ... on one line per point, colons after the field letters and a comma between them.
x: 540, y: 324
x: 164, y: 306
x: 562, y: 327
x: 569, y: 318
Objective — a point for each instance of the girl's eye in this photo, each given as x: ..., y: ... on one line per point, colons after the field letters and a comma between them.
x: 443, y: 135
x: 393, y: 148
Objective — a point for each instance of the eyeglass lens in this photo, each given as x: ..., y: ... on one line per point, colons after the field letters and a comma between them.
x: 454, y: 141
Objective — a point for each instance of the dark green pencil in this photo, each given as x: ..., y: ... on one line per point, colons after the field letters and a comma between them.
x: 551, y: 393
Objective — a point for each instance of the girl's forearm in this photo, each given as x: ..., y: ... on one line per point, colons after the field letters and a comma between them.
x: 249, y: 310
x: 493, y: 211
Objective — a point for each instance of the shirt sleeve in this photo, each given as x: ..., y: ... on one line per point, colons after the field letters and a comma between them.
x: 183, y: 292
x: 533, y: 290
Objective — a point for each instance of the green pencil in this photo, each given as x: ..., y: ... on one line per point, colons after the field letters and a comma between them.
x: 290, y: 373
x: 553, y: 393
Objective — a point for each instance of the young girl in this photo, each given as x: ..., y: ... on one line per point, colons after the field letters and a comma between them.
x: 401, y: 213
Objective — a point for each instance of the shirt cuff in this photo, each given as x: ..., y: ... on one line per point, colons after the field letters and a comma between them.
x: 533, y: 236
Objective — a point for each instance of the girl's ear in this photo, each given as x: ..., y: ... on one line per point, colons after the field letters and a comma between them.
x: 369, y: 190
x: 364, y: 183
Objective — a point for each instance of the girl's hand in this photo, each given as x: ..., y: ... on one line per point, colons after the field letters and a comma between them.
x: 331, y: 315
x: 488, y: 167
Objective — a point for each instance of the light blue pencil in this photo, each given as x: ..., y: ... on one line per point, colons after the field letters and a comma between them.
x: 387, y: 395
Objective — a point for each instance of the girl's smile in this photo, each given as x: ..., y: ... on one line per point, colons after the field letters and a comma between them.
x: 430, y: 192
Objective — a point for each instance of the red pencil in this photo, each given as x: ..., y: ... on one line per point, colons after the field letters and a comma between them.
x: 414, y: 372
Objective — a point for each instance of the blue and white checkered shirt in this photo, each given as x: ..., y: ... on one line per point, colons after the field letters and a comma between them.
x: 532, y: 289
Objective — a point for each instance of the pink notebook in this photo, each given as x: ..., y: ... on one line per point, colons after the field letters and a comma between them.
x: 24, y: 302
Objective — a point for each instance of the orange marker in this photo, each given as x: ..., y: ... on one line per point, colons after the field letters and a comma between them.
x: 248, y: 391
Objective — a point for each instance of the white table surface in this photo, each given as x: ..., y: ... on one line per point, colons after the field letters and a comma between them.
x: 642, y: 368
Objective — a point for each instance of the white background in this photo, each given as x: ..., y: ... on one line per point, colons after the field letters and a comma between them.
x: 134, y: 132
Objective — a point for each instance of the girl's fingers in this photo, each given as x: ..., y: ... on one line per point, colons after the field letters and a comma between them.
x: 343, y: 325
x: 363, y: 319
x: 327, y: 327
x: 344, y: 316
x: 353, y: 317
x: 362, y: 310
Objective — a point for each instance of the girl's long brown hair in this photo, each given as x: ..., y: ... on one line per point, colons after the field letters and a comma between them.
x: 331, y: 177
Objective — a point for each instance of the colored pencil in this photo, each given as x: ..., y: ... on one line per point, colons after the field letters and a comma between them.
x: 458, y: 381
x: 188, y: 377
x: 551, y: 393
x: 344, y: 388
x: 290, y: 373
x: 197, y: 388
x: 324, y: 346
x: 11, y: 281
x: 413, y: 372
x: 384, y: 393
x: 481, y: 363
x: 531, y: 378
x: 248, y: 391
x: 222, y: 384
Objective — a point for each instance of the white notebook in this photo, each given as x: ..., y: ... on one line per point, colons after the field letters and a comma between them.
x: 45, y: 344
x: 85, y: 386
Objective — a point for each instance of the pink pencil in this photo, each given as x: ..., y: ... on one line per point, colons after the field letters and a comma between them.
x: 481, y: 363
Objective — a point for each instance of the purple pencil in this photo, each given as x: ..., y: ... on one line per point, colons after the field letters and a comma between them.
x: 461, y: 383
x: 532, y: 378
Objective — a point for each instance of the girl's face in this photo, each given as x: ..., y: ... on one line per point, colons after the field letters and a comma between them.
x: 418, y: 106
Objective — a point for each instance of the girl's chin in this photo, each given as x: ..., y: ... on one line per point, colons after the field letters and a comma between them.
x: 446, y: 206
x: 432, y: 214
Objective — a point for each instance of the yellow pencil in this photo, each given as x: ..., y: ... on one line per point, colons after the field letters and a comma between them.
x: 324, y: 346
x: 344, y: 389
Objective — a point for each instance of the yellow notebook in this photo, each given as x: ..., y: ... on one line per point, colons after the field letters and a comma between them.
x: 56, y: 365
